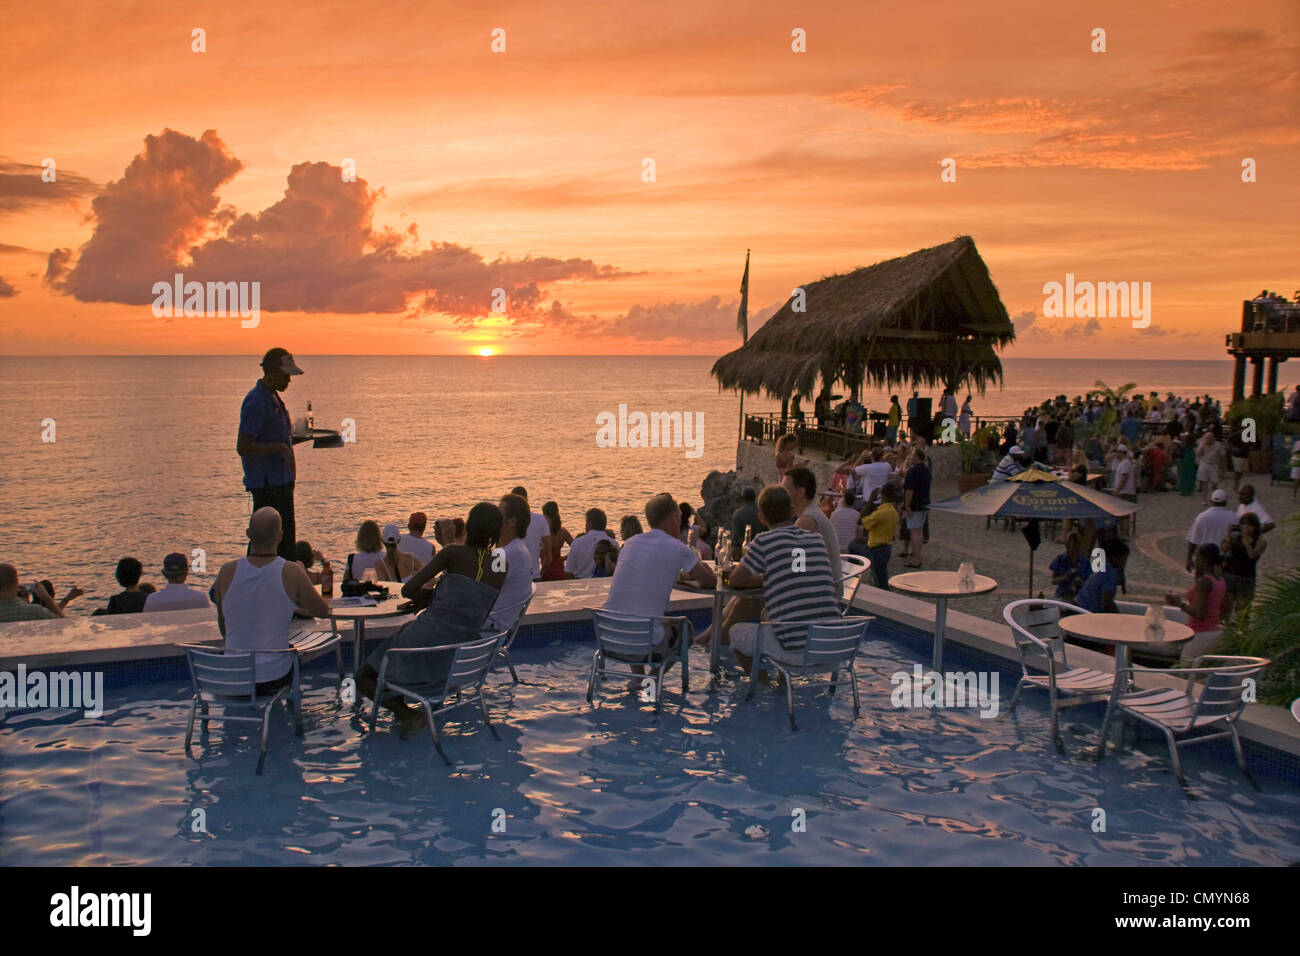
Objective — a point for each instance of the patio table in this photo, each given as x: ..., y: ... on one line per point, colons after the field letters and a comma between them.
x: 941, y: 585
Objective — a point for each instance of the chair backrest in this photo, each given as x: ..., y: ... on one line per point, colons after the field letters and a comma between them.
x: 1175, y: 614
x: 834, y: 644
x: 216, y: 673
x: 518, y: 609
x: 627, y: 635
x: 1223, y: 694
x: 470, y: 665
x: 852, y: 567
x: 1036, y: 626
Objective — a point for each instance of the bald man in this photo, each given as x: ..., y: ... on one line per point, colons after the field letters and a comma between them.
x: 256, y: 597
x: 14, y: 607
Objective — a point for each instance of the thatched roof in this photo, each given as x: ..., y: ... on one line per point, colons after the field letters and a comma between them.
x: 932, y: 317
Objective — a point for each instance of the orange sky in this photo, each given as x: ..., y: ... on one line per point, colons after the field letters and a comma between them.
x: 523, y: 170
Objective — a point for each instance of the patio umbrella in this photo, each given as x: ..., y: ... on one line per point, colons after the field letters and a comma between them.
x: 1036, y: 493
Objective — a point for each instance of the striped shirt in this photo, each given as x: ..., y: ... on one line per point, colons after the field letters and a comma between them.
x: 797, y: 584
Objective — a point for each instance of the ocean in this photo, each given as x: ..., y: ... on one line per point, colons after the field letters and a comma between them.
x: 143, y: 459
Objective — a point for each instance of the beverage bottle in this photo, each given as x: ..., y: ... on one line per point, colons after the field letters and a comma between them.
x: 749, y: 536
x: 311, y: 422
x: 326, y: 579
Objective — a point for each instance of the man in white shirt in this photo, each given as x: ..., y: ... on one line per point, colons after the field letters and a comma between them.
x: 872, y: 476
x: 1246, y: 495
x: 801, y: 485
x: 177, y: 595
x: 649, y: 564
x: 518, y: 584
x: 1211, y: 525
x: 581, y: 562
x: 1125, y: 479
x: 537, y: 530
x: 415, y: 542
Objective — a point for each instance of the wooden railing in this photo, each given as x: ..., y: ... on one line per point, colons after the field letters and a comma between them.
x: 832, y: 440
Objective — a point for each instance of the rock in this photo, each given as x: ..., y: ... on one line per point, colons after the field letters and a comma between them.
x: 721, y: 492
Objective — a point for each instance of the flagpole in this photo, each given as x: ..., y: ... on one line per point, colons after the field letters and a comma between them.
x: 742, y: 325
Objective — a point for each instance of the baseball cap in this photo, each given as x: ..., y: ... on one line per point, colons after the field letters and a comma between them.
x: 1219, y: 496
x: 418, y: 519
x: 281, y: 359
x: 391, y: 534
x: 175, y: 562
x: 1016, y: 450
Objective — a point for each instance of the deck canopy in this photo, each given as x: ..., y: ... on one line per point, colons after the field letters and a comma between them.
x: 932, y: 317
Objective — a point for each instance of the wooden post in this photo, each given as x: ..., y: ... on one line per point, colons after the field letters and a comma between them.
x: 1272, y: 374
x: 1257, y: 377
x: 1238, y: 377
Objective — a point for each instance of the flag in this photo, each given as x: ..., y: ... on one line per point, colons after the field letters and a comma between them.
x: 742, y: 318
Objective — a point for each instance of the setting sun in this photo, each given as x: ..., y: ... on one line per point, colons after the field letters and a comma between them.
x: 486, y: 352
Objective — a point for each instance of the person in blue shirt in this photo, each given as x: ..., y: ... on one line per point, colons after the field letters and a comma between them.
x: 1098, y: 592
x: 1070, y: 568
x: 265, y: 444
x: 1131, y: 427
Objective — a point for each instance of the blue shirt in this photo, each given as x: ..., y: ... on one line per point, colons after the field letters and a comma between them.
x: 1130, y: 428
x: 1089, y: 596
x: 264, y: 418
x: 1081, y: 570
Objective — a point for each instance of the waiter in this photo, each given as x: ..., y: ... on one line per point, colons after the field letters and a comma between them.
x: 266, y: 444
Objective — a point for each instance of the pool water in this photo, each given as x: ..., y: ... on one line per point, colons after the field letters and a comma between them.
x: 717, y: 780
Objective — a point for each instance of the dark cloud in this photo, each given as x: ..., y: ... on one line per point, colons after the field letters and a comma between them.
x: 6, y: 290
x: 1089, y: 328
x: 315, y: 250
x: 21, y: 186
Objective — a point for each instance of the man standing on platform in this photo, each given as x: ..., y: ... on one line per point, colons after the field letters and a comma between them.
x: 266, y: 444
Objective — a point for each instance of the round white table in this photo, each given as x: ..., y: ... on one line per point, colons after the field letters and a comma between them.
x: 359, y: 615
x: 1122, y: 630
x: 941, y: 585
x: 720, y: 593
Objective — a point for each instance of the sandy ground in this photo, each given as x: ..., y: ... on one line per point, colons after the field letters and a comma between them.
x: 1156, y: 559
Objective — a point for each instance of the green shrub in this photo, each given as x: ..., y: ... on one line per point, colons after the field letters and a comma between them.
x: 1270, y: 627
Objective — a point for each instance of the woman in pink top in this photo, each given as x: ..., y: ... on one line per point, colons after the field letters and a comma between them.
x: 1205, y: 597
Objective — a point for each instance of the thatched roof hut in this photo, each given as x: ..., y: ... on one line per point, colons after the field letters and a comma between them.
x: 932, y: 317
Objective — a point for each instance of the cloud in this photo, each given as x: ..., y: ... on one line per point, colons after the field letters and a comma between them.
x: 315, y: 250
x: 1202, y: 92
x: 710, y: 320
x: 1089, y: 328
x: 21, y: 187
x: 6, y: 290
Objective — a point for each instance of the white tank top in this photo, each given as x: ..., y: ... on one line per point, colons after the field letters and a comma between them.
x: 257, y: 612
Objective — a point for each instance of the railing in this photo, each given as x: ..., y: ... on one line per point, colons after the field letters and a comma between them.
x: 834, y: 441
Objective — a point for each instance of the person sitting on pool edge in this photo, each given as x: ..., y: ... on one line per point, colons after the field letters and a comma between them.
x: 793, y: 568
x: 455, y: 614
x: 1098, y: 592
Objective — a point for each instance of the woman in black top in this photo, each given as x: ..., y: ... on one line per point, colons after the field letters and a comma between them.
x: 1242, y: 549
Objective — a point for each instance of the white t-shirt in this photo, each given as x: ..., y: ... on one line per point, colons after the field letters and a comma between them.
x: 646, y: 571
x: 1254, y: 507
x: 871, y: 476
x: 1124, y: 477
x: 537, y: 530
x: 845, y: 522
x: 363, y: 560
x: 1211, y: 526
x: 831, y: 539
x: 175, y: 597
x: 581, y: 562
x: 516, y: 588
x: 421, y: 547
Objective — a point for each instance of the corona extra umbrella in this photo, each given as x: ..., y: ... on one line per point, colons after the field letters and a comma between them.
x: 1034, y: 494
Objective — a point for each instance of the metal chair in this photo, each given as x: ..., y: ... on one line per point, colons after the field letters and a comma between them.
x: 1035, y: 625
x: 503, y: 655
x: 830, y: 645
x: 633, y: 639
x: 465, y: 678
x: 227, y: 680
x: 1181, y: 714
x: 852, y: 568
x: 313, y: 643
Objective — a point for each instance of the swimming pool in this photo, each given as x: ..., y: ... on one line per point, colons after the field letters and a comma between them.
x: 716, y: 781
